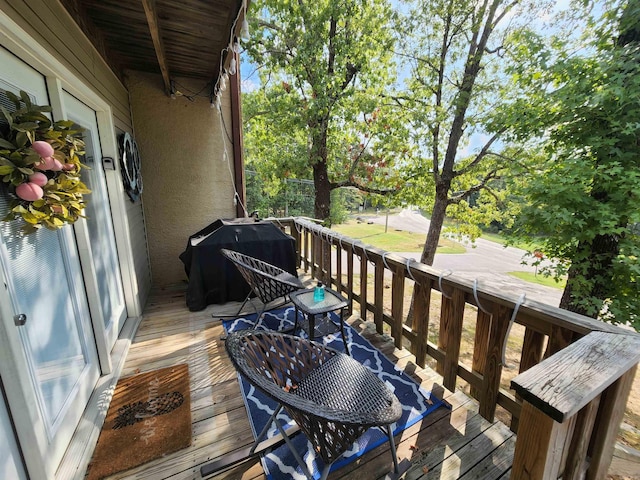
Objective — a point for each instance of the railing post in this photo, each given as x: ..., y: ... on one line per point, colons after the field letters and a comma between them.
x: 544, y: 440
x: 607, y: 424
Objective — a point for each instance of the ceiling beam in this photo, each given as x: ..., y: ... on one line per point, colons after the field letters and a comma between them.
x: 154, y: 27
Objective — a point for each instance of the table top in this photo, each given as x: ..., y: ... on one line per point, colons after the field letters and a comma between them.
x: 303, y: 299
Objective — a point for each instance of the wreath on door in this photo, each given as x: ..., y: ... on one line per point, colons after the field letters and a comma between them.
x: 130, y: 166
x: 40, y: 163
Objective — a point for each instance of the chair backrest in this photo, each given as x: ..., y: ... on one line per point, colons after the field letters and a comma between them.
x: 273, y: 361
x: 267, y: 281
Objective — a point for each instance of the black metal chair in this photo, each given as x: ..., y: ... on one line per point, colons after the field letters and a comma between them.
x: 332, y: 397
x: 267, y: 282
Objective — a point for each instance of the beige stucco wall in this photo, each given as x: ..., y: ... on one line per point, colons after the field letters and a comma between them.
x: 187, y: 176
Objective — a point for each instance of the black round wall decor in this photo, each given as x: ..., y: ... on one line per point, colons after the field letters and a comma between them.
x: 130, y: 165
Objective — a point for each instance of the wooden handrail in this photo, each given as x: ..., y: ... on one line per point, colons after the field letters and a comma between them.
x: 573, y: 404
x: 549, y: 332
x: 560, y: 385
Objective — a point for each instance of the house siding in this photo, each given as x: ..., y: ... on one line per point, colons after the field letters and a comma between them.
x: 187, y: 166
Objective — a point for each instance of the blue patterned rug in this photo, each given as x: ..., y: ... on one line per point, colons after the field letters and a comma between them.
x: 280, y: 464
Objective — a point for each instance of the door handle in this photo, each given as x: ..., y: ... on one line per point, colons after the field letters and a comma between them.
x: 20, y: 319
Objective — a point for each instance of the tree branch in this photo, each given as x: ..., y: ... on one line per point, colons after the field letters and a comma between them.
x: 459, y: 196
x: 363, y: 188
x: 481, y: 154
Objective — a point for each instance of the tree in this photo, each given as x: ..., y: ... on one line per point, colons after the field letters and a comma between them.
x: 454, y: 50
x: 584, y: 200
x: 323, y: 67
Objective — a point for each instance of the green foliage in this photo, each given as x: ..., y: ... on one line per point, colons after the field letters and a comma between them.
x: 319, y: 112
x: 62, y: 200
x: 584, y: 200
x: 343, y: 202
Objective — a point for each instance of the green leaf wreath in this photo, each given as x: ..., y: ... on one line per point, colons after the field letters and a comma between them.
x: 39, y: 160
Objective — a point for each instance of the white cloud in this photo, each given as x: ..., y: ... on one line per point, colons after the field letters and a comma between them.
x: 248, y: 85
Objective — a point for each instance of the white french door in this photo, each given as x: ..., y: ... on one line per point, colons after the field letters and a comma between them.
x: 100, y: 249
x: 53, y: 366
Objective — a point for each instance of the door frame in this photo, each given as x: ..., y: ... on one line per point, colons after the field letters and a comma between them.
x: 59, y: 77
x: 109, y: 335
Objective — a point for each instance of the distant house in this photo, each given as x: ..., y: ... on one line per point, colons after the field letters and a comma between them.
x: 70, y: 298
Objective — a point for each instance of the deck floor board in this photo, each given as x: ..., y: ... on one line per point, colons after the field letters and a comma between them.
x: 448, y: 444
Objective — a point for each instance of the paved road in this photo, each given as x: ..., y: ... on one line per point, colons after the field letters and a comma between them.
x: 488, y: 262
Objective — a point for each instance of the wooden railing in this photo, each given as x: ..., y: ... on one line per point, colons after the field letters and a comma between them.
x: 548, y: 332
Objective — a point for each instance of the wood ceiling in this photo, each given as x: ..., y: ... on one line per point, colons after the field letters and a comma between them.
x: 176, y: 38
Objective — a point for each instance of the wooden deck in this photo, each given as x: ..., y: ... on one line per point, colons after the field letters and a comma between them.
x: 448, y: 444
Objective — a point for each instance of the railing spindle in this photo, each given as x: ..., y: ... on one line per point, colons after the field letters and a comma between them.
x: 451, y: 318
x: 420, y: 324
x: 363, y: 286
x: 493, y: 365
x: 532, y: 354
x: 397, y: 305
x: 339, y: 252
x: 560, y: 338
x: 378, y: 296
x: 349, y: 250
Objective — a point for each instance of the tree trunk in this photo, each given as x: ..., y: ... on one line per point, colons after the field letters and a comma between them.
x: 595, y: 267
x: 322, y: 204
x: 318, y: 154
x: 435, y: 225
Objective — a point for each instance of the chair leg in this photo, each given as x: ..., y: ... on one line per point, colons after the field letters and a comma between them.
x: 265, y: 429
x: 392, y: 444
x: 262, y: 311
x: 295, y: 453
x: 246, y: 299
x: 325, y: 471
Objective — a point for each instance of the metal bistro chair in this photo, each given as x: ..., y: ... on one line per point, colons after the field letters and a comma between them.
x: 267, y: 281
x: 332, y: 397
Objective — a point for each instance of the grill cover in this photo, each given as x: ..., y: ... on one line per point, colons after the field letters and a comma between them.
x: 214, y: 279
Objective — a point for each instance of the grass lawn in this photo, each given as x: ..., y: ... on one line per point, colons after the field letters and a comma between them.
x: 539, y: 279
x: 393, y: 240
x: 496, y: 237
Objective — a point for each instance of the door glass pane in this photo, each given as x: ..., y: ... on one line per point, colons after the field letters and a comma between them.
x: 36, y: 267
x: 104, y: 254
